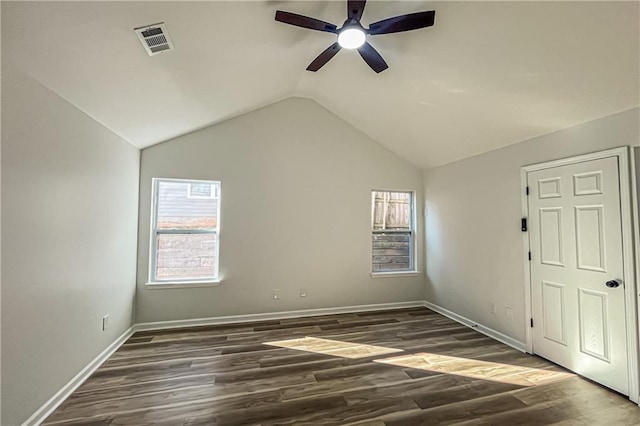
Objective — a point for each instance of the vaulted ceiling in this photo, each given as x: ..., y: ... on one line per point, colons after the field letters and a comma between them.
x: 488, y: 74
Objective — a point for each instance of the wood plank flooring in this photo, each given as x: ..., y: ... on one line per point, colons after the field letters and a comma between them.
x: 436, y: 372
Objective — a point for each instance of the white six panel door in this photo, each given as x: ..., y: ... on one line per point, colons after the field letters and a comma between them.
x: 576, y: 246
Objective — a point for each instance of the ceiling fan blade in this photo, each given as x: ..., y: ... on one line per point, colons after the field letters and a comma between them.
x: 324, y: 57
x: 305, y: 22
x: 355, y: 9
x: 372, y: 57
x: 397, y: 24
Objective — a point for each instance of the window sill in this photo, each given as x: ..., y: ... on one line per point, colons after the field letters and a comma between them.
x: 393, y: 274
x: 182, y: 284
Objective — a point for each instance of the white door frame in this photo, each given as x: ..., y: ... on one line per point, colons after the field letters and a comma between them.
x: 629, y: 212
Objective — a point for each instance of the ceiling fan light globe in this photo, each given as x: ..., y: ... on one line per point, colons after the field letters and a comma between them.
x: 351, y: 38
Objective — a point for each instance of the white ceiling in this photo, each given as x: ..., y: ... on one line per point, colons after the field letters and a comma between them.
x: 488, y: 74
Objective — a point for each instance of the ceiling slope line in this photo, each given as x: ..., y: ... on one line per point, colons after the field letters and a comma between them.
x: 68, y: 101
x: 359, y: 130
x: 562, y: 129
x: 224, y: 119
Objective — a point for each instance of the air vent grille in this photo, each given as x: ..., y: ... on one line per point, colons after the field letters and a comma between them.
x: 154, y: 38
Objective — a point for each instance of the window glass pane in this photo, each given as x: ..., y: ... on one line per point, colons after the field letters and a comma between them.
x: 201, y: 190
x: 391, y: 251
x: 391, y: 210
x: 178, y: 210
x: 186, y: 256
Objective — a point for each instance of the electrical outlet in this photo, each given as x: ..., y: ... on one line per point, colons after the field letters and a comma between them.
x: 303, y: 292
x: 105, y: 322
x: 276, y: 294
x: 509, y: 312
x: 493, y: 308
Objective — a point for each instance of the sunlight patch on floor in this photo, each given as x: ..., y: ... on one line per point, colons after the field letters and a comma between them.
x: 333, y: 347
x: 477, y: 369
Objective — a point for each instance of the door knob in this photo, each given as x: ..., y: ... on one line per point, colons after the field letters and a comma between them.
x: 612, y: 284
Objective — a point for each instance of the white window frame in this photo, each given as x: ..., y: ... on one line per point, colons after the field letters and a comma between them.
x: 153, y: 254
x: 214, y: 191
x: 412, y: 270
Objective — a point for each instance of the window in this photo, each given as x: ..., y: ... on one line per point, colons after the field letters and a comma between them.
x: 393, y: 228
x: 185, y: 229
x: 202, y: 190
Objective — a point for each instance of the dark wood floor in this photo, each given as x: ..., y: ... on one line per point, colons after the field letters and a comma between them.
x: 228, y: 375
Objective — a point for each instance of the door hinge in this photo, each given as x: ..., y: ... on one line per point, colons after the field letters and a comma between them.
x: 531, y: 322
x: 529, y: 256
x: 524, y: 224
x: 526, y: 190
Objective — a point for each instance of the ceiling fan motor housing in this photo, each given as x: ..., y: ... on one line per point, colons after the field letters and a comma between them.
x: 352, y: 35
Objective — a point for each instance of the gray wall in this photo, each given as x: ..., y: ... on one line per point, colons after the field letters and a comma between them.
x: 474, y: 243
x: 69, y: 220
x: 296, y: 212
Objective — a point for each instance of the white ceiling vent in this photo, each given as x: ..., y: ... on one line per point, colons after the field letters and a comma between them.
x: 154, y: 38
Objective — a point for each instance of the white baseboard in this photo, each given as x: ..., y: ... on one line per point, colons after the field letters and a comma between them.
x: 509, y: 341
x: 54, y: 402
x: 57, y: 399
x: 161, y: 325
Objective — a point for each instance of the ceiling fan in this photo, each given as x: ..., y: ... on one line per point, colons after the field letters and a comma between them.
x: 353, y: 35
